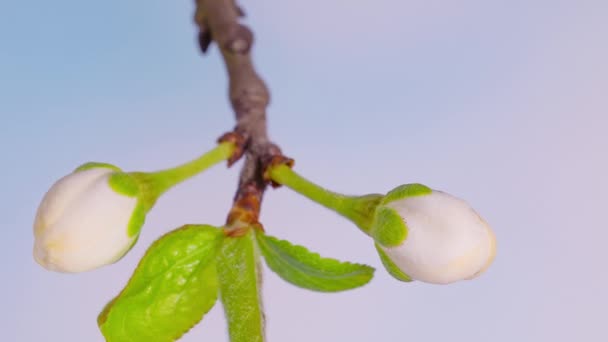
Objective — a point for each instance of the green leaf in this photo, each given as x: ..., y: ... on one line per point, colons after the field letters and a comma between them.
x: 390, y: 266
x: 237, y: 264
x: 173, y: 286
x: 303, y: 268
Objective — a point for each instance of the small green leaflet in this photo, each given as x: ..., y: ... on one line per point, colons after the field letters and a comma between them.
x: 389, y: 229
x: 405, y: 191
x: 238, y: 271
x: 303, y: 268
x: 390, y: 266
x: 173, y: 286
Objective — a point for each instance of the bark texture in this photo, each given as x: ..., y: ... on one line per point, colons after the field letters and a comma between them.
x: 218, y: 22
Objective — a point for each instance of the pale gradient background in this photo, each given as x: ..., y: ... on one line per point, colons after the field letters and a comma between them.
x: 503, y: 103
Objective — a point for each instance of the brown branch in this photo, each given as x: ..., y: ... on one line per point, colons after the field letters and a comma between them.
x: 218, y: 21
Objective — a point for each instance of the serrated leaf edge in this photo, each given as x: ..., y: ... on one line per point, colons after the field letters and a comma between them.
x: 364, y: 269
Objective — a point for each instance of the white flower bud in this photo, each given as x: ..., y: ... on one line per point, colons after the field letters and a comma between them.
x: 446, y: 239
x: 82, y: 222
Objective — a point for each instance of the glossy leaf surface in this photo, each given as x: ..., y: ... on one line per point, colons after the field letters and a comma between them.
x: 173, y: 286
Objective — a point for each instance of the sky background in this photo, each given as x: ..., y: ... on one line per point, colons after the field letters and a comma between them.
x: 502, y: 103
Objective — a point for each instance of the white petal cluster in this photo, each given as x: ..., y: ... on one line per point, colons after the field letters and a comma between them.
x: 82, y: 223
x: 446, y: 239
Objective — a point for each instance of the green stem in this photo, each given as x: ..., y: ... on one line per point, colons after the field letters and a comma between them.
x: 359, y: 209
x: 157, y: 183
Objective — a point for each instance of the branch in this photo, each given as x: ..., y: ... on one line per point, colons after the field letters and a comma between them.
x: 218, y: 21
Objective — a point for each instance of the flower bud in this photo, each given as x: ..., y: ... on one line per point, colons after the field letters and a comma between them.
x: 88, y: 219
x: 431, y: 236
x: 92, y: 217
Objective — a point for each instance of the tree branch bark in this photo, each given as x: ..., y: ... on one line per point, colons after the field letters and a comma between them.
x: 218, y: 21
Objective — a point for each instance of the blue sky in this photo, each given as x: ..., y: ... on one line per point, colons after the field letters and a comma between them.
x: 502, y: 103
